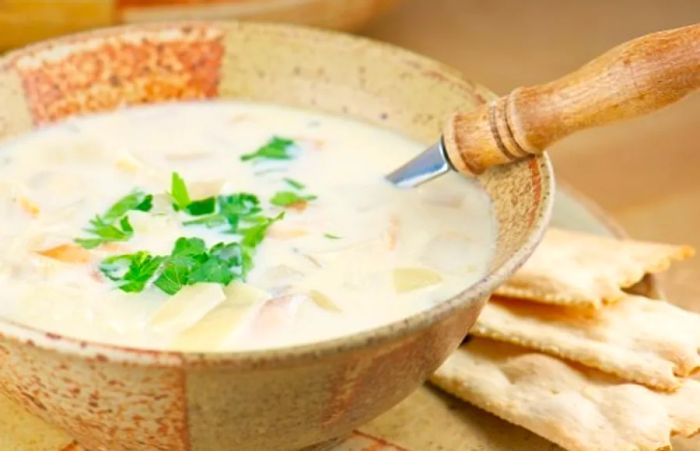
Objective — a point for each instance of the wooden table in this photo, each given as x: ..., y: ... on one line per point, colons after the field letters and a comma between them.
x: 644, y: 172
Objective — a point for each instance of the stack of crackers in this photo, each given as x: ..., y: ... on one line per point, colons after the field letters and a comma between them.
x: 564, y: 351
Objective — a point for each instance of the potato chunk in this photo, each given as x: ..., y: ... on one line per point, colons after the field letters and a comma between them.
x: 410, y: 279
x: 186, y: 307
x: 223, y: 321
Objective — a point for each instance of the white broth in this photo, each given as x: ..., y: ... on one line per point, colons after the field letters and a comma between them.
x: 320, y: 246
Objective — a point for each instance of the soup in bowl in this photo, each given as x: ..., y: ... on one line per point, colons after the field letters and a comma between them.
x: 202, y: 251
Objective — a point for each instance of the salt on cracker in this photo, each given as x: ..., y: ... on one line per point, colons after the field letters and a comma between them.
x: 639, y: 339
x: 578, y: 408
x: 572, y: 268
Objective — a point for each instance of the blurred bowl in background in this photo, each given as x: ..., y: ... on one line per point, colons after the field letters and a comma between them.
x: 25, y: 21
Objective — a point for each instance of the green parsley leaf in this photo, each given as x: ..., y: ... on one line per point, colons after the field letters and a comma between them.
x: 275, y: 149
x: 330, y: 236
x: 287, y: 198
x: 109, y: 232
x: 178, y: 192
x: 241, y: 204
x: 137, y: 200
x: 295, y: 184
x: 89, y: 243
x: 247, y: 260
x: 232, y: 209
x: 214, y: 270
x: 253, y: 235
x: 182, y: 200
x: 209, y: 221
x: 229, y: 252
x: 114, y: 224
x: 176, y: 271
x: 131, y: 271
x: 190, y: 262
x: 188, y: 247
x: 201, y: 207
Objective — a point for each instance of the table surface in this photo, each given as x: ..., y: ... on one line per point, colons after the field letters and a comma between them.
x: 645, y: 172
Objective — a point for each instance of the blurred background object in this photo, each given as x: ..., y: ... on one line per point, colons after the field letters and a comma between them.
x: 645, y: 172
x: 25, y: 21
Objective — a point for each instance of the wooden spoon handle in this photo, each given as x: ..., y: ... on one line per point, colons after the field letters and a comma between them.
x: 634, y: 78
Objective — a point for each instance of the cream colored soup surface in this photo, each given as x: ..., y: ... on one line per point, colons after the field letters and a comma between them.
x: 351, y: 252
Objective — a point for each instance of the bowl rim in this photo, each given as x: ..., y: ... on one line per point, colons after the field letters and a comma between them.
x: 301, y: 353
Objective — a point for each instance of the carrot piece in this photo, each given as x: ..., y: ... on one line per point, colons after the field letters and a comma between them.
x: 285, y: 233
x: 298, y: 206
x: 68, y: 253
x: 29, y: 206
x: 392, y: 232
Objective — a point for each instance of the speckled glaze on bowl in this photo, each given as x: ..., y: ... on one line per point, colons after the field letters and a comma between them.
x: 113, y: 398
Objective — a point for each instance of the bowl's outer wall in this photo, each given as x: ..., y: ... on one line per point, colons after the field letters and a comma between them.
x: 174, y: 401
x: 222, y: 407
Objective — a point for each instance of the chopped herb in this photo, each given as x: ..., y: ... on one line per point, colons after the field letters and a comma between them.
x: 225, y: 263
x: 178, y: 192
x: 295, y: 184
x: 137, y: 200
x: 189, y: 262
x: 114, y: 224
x: 330, y: 236
x: 201, y: 207
x: 209, y: 221
x: 89, y: 243
x: 241, y: 204
x: 286, y: 198
x: 131, y: 271
x: 247, y: 259
x: 232, y: 209
x: 175, y: 274
x: 252, y: 236
x: 188, y: 247
x: 275, y: 149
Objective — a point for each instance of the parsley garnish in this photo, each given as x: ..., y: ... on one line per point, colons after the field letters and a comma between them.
x: 131, y: 271
x: 287, y: 198
x: 216, y: 211
x: 202, y: 207
x: 114, y: 224
x: 231, y: 210
x: 178, y: 192
x: 295, y: 184
x: 253, y: 235
x: 330, y: 236
x: 182, y: 200
x: 275, y: 149
x: 190, y: 262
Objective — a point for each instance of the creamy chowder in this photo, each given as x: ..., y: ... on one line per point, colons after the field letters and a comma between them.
x: 227, y: 226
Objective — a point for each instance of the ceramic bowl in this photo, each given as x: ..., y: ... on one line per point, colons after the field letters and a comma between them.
x: 115, y: 398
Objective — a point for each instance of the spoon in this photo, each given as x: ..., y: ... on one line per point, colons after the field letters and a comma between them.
x: 632, y: 79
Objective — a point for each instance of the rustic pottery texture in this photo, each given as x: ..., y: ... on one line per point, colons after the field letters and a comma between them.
x: 114, y: 398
